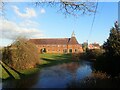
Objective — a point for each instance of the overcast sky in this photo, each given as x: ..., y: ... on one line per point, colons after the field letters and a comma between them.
x: 24, y: 19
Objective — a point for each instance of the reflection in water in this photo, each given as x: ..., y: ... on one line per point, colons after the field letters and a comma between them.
x: 21, y: 83
x: 51, y: 77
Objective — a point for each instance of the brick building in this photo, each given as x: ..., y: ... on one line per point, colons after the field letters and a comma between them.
x: 58, y: 45
x: 94, y: 46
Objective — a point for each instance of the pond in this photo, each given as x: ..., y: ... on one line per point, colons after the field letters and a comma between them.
x: 58, y: 76
x: 62, y: 76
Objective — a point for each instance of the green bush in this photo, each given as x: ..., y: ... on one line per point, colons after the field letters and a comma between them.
x: 110, y: 61
x: 21, y: 55
x: 92, y: 54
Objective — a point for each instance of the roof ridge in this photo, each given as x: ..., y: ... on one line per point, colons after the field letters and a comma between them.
x: 49, y: 38
x: 71, y: 40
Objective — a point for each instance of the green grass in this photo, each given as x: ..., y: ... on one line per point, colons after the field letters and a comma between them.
x: 45, y: 61
x: 54, y: 59
x: 11, y: 73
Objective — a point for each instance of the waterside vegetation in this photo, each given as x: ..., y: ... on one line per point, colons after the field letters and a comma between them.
x: 45, y: 60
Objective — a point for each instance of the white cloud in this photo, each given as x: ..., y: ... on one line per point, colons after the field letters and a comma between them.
x: 42, y: 11
x: 29, y: 12
x: 11, y: 30
x: 29, y: 24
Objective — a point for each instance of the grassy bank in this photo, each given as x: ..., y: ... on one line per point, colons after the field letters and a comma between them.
x: 45, y: 61
x: 9, y: 73
x: 54, y: 59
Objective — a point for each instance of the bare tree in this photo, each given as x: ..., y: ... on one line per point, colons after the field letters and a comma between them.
x: 70, y: 7
x: 2, y: 4
x: 67, y: 7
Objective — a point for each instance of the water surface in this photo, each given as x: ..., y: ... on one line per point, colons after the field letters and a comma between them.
x: 58, y: 76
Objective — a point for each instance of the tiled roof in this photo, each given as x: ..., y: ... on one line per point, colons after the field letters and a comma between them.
x: 96, y: 45
x: 57, y: 41
x: 73, y: 40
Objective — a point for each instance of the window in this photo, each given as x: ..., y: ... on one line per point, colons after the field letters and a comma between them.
x: 75, y: 50
x: 65, y: 51
x: 70, y: 50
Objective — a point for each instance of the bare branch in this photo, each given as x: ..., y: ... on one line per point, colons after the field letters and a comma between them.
x: 2, y: 9
x: 65, y: 7
x: 71, y: 8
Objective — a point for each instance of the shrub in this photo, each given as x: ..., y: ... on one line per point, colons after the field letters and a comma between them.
x: 109, y: 65
x: 110, y: 61
x: 21, y: 55
x: 92, y: 54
